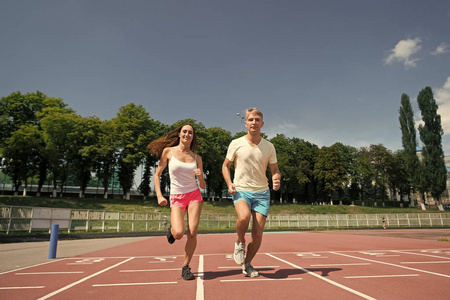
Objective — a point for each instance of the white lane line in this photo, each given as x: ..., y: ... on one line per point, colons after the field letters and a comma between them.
x: 382, y: 276
x: 151, y: 270
x: 383, y: 255
x: 322, y: 252
x: 83, y: 279
x: 21, y: 287
x: 339, y: 265
x: 132, y: 283
x: 394, y: 265
x: 324, y: 279
x: 421, y: 254
x: 240, y: 267
x: 49, y: 262
x: 200, y: 295
x: 164, y: 258
x: 50, y: 273
x: 425, y: 262
x: 260, y: 279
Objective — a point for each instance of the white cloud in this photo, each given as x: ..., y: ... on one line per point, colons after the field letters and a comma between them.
x: 290, y: 130
x: 443, y: 100
x: 284, y: 127
x: 403, y: 52
x: 441, y: 49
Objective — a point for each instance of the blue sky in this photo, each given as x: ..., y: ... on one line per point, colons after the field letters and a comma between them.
x: 324, y: 71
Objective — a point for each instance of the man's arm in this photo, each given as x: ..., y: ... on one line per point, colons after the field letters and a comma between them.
x: 276, y: 176
x: 227, y: 176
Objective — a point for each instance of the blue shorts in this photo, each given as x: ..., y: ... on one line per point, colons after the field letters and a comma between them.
x: 258, y: 201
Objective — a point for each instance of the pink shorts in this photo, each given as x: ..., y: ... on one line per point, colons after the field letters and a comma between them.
x: 184, y: 200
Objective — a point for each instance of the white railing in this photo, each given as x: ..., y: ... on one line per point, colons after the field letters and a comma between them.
x: 15, y: 218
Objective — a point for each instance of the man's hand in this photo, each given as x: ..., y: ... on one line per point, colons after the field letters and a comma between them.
x: 276, y: 182
x: 232, y: 189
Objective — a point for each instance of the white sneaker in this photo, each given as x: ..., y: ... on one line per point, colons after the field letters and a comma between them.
x: 239, y: 253
x: 249, y: 271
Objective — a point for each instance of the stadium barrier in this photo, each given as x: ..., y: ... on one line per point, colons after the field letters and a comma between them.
x: 28, y: 219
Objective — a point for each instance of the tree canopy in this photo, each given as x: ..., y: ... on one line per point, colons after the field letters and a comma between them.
x: 43, y: 137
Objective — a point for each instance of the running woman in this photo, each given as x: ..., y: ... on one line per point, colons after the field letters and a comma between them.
x: 185, y: 168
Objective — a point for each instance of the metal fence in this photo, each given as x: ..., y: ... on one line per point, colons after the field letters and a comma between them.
x: 28, y: 219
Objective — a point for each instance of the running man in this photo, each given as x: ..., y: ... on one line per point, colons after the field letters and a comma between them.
x: 250, y: 154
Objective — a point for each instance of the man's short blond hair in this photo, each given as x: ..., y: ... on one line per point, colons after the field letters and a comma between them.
x: 253, y: 110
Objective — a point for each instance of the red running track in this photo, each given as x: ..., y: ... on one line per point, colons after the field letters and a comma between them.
x: 306, y: 265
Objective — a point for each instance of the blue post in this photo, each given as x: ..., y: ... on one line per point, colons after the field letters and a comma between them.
x: 53, y: 241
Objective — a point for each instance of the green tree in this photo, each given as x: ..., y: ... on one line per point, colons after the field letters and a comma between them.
x: 287, y: 170
x: 349, y: 158
x: 50, y: 105
x: 57, y: 128
x: 296, y: 160
x: 332, y: 169
x: 402, y: 175
x: 130, y: 127
x: 380, y: 159
x: 304, y: 156
x: 431, y: 132
x: 365, y: 174
x: 83, y: 152
x: 21, y: 153
x: 213, y: 154
x: 17, y: 110
x: 409, y: 143
x: 105, y: 155
x: 394, y: 174
x: 157, y: 130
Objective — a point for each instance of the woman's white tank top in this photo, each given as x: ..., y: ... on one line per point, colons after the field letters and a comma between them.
x: 182, y: 177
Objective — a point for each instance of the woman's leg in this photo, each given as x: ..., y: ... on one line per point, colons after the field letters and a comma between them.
x: 177, y: 222
x: 194, y: 211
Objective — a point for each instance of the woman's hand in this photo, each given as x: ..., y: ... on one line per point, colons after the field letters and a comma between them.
x: 162, y: 201
x: 197, y: 172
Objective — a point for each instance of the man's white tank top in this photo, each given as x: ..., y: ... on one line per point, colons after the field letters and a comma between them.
x: 182, y: 177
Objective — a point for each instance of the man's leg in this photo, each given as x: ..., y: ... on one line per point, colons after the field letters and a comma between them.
x: 243, y: 219
x: 259, y: 221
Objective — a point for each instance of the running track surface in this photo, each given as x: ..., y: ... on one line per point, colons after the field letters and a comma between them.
x: 294, y: 265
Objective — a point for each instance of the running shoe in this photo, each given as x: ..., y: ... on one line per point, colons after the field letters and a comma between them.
x: 239, y: 253
x: 249, y: 271
x: 170, y: 237
x: 186, y: 273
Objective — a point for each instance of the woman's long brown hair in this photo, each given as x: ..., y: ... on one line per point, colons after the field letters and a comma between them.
x: 172, y: 139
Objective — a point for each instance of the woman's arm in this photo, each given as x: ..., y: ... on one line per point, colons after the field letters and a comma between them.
x: 199, y: 172
x: 157, y: 177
